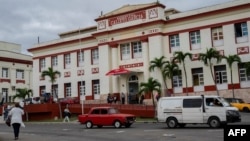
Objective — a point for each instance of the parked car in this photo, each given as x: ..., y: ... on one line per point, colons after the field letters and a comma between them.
x: 239, y: 103
x: 106, y: 116
x: 69, y: 100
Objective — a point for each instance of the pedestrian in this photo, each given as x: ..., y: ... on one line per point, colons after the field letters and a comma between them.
x: 6, y: 112
x: 115, y: 98
x: 123, y: 98
x: 109, y: 99
x: 66, y: 114
x: 141, y: 99
x: 16, y: 119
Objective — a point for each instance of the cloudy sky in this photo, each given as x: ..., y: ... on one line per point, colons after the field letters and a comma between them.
x: 22, y: 21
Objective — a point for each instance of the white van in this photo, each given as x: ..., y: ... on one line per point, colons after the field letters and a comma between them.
x: 182, y: 110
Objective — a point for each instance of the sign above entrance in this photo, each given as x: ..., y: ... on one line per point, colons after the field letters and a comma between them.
x: 118, y: 71
x: 127, y: 18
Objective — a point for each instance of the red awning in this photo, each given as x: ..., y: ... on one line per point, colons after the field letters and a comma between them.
x: 118, y: 71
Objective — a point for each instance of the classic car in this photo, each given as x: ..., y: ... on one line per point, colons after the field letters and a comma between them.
x: 106, y: 116
x: 239, y: 103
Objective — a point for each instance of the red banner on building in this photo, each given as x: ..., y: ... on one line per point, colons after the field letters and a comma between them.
x: 127, y: 18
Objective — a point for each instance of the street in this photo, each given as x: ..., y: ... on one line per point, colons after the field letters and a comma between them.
x: 140, y: 131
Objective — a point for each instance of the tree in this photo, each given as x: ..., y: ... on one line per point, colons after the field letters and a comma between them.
x: 207, y: 58
x: 170, y: 69
x: 22, y: 93
x: 53, y: 76
x: 149, y: 87
x: 247, y: 66
x: 159, y: 63
x: 179, y: 56
x: 230, y: 60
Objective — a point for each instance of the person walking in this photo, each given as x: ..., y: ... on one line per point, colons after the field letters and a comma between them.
x: 123, y: 98
x: 16, y: 119
x: 67, y: 114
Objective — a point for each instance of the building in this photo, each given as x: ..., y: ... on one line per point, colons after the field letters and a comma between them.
x: 124, y: 41
x: 15, y: 70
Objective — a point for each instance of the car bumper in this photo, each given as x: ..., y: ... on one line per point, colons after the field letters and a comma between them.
x: 231, y: 119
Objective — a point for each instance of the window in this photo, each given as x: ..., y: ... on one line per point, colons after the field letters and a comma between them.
x: 67, y: 87
x: 195, y: 40
x: 42, y: 90
x: 95, y: 111
x: 82, y: 87
x: 217, y: 36
x: 104, y: 111
x: 95, y: 56
x: 174, y: 42
x: 96, y: 86
x: 80, y: 58
x: 243, y: 74
x: 125, y: 49
x: 54, y: 61
x: 5, y: 72
x: 137, y: 49
x: 220, y: 74
x: 42, y: 64
x: 198, y: 78
x: 177, y: 79
x: 192, y: 103
x: 19, y: 74
x: 67, y: 61
x: 241, y: 32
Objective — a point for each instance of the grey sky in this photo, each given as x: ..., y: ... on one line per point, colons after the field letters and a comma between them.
x: 22, y: 21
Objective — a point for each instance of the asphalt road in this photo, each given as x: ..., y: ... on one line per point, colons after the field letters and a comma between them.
x: 140, y: 131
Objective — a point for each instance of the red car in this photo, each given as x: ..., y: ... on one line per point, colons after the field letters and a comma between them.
x: 106, y: 116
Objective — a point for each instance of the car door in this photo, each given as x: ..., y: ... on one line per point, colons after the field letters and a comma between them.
x: 214, y: 109
x: 95, y: 116
x: 192, y: 110
x: 105, y: 119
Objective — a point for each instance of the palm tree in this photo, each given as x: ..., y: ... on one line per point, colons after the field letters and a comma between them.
x: 170, y: 70
x: 149, y: 87
x: 22, y: 93
x: 207, y: 57
x: 180, y: 57
x: 159, y: 63
x: 230, y: 60
x: 53, y: 76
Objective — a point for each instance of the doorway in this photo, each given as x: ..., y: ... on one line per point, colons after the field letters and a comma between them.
x: 133, y: 89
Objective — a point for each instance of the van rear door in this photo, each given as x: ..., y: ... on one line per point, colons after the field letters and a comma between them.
x: 192, y: 110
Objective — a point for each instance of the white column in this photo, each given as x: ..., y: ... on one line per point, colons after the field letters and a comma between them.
x: 115, y: 79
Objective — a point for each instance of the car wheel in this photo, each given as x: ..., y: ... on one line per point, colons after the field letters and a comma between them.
x: 89, y: 124
x: 214, y: 122
x: 117, y: 124
x: 245, y: 109
x: 172, y: 122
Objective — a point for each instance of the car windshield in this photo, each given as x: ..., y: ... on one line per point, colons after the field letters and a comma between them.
x: 240, y: 101
x: 224, y: 102
x: 113, y: 111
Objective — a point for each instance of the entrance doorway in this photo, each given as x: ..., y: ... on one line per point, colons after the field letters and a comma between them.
x: 133, y: 89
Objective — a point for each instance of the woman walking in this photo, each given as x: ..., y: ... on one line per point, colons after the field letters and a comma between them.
x: 16, y: 119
